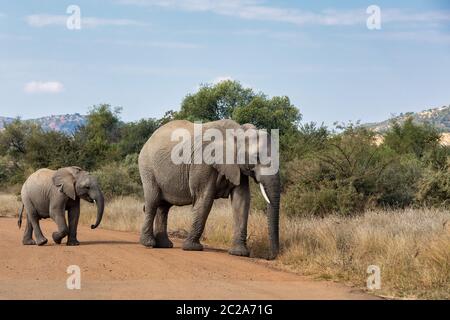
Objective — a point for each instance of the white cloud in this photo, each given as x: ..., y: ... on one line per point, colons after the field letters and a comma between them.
x: 255, y: 10
x: 258, y: 10
x: 43, y: 20
x: 43, y: 87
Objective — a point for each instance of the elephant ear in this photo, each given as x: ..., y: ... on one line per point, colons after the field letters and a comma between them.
x: 230, y: 171
x: 77, y: 169
x: 65, y: 181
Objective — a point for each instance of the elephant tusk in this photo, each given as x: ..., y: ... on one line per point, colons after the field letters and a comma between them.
x: 264, y: 193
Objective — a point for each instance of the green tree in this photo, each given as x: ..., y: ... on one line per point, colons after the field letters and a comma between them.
x: 167, y: 117
x: 230, y: 100
x: 215, y: 102
x: 50, y: 149
x: 97, y: 140
x: 308, y: 139
x: 135, y: 134
x: 13, y: 140
x: 275, y: 113
x: 412, y: 138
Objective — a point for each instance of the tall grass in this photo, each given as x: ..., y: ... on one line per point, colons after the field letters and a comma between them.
x: 411, y: 247
x: 9, y: 205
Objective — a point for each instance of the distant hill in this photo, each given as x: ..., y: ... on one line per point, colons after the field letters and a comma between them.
x: 438, y: 117
x: 67, y: 123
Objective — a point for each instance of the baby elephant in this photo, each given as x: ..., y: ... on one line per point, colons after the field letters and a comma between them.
x: 48, y: 194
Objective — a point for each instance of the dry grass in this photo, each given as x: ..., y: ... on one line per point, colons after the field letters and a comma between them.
x: 123, y: 214
x: 9, y: 205
x: 412, y: 247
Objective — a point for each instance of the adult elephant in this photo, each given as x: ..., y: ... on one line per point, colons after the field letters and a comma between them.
x: 49, y: 194
x: 167, y: 183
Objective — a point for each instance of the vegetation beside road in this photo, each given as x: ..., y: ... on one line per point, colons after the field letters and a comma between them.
x: 340, y: 170
x: 347, y: 201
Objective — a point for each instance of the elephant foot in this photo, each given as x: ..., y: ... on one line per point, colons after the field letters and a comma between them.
x: 239, y: 250
x: 163, y: 242
x: 28, y: 242
x: 57, y: 237
x: 73, y: 242
x: 148, y: 241
x: 41, y: 242
x: 192, y: 246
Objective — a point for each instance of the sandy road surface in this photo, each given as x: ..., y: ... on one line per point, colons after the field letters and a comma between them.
x: 114, y: 266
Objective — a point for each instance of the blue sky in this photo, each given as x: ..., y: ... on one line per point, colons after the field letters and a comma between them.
x: 146, y: 55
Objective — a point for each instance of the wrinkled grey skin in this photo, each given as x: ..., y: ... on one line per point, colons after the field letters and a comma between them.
x: 49, y: 194
x: 167, y: 184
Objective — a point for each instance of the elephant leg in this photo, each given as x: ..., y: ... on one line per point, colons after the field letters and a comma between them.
x: 161, y: 236
x: 201, y: 210
x: 151, y: 195
x: 63, y: 230
x: 28, y: 234
x: 33, y: 219
x: 147, y: 237
x: 74, y: 214
x: 240, y: 203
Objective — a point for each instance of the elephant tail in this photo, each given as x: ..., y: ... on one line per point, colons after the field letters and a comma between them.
x: 19, y: 222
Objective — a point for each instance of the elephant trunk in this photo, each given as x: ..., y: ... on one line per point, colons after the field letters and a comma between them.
x: 100, y: 202
x: 271, y: 187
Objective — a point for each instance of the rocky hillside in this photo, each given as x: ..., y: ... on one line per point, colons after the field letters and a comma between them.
x: 438, y: 117
x: 67, y: 123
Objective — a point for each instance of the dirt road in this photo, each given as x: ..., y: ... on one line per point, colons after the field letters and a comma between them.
x: 114, y: 266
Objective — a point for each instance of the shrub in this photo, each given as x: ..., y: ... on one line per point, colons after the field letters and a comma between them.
x: 115, y: 180
x: 412, y: 138
x: 342, y: 177
x: 397, y: 185
x: 434, y: 187
x: 130, y: 163
x: 135, y: 134
x: 314, y: 194
x: 10, y: 173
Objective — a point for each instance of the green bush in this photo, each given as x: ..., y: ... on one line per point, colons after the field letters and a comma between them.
x: 10, y: 173
x: 411, y: 138
x: 397, y: 185
x: 434, y: 187
x: 115, y: 180
x: 341, y: 177
x: 317, y: 192
x: 322, y: 171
